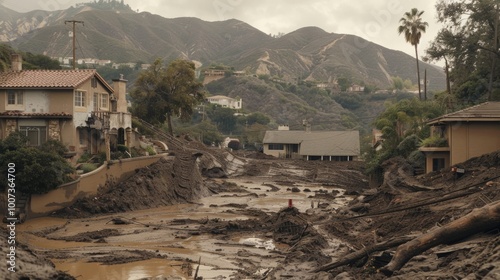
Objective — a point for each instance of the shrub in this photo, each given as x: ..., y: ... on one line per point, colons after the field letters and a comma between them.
x: 122, y: 148
x: 88, y: 167
x: 151, y: 151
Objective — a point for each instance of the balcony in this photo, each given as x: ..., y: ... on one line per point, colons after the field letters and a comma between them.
x: 109, y: 120
x: 434, y: 144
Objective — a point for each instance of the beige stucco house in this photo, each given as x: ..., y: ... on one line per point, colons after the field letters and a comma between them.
x: 468, y: 133
x: 77, y: 107
x: 312, y: 145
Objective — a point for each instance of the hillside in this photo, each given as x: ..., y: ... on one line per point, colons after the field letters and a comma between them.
x: 126, y: 36
x: 291, y: 104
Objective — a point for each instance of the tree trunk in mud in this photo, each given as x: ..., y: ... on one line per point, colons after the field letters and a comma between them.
x: 479, y: 220
x: 354, y: 256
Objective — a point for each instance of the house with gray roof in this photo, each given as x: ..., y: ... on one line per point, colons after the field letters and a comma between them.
x: 462, y: 135
x: 313, y: 145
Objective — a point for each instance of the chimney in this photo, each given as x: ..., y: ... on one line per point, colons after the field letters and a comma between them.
x: 120, y: 88
x: 16, y: 62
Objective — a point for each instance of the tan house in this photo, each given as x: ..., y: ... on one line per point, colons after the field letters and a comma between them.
x: 77, y: 107
x: 466, y: 134
x: 313, y: 145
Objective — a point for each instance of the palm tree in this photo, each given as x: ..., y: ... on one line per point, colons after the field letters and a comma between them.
x: 413, y: 27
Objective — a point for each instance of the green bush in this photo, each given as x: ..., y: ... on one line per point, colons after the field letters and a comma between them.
x: 151, y: 151
x: 37, y: 170
x: 84, y: 158
x: 122, y: 148
x: 88, y: 167
x: 434, y: 141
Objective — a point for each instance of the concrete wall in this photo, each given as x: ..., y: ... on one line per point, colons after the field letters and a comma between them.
x: 87, y: 185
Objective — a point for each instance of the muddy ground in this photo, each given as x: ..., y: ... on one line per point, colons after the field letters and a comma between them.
x: 227, y: 215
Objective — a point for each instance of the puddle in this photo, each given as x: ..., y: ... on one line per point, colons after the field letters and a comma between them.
x: 258, y: 243
x: 128, y: 271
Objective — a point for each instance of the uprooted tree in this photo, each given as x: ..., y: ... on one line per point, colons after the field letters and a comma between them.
x: 479, y: 220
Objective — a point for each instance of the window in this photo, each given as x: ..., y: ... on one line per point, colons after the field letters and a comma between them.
x: 79, y: 98
x: 37, y: 135
x: 14, y: 97
x: 279, y: 147
x: 104, y: 100
x: 437, y: 164
x: 96, y: 101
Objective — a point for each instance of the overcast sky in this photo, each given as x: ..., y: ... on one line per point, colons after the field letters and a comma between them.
x: 373, y: 20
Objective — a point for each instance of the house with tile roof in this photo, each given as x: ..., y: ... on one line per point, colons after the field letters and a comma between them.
x: 462, y: 135
x: 313, y: 145
x: 77, y: 107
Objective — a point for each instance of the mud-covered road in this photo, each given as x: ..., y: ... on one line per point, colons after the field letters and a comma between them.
x: 229, y: 217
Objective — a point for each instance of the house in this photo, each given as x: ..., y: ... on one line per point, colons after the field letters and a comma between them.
x: 226, y: 102
x: 312, y: 145
x: 463, y: 135
x: 77, y: 107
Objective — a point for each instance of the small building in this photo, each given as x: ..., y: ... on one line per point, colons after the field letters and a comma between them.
x: 226, y: 102
x: 464, y: 134
x: 315, y: 145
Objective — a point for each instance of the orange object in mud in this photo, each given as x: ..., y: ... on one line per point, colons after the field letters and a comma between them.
x: 290, y: 204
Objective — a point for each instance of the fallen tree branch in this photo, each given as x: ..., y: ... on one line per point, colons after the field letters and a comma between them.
x: 479, y: 220
x: 354, y: 256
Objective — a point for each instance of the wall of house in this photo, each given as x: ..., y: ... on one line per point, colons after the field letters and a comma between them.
x: 430, y: 156
x: 61, y: 101
x: 472, y: 139
x: 275, y: 153
x: 86, y: 186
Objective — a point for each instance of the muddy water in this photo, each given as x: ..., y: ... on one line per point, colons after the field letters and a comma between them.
x: 151, y: 230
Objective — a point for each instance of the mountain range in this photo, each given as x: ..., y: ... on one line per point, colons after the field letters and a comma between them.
x: 122, y: 35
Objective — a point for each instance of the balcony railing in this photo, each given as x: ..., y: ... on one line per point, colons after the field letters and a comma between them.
x: 109, y: 120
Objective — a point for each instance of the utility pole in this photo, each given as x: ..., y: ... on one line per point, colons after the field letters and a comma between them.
x: 74, y: 22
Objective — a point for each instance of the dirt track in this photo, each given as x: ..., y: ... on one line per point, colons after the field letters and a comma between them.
x: 227, y: 221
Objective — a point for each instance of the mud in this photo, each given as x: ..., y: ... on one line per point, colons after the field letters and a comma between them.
x: 230, y: 216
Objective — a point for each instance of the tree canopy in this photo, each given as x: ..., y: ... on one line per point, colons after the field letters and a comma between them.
x: 469, y: 44
x: 412, y: 27
x: 163, y: 92
x: 403, y: 125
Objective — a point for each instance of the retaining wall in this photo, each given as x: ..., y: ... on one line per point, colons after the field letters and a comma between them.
x: 86, y: 185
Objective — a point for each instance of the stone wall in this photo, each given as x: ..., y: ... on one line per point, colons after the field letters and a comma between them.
x: 54, y: 130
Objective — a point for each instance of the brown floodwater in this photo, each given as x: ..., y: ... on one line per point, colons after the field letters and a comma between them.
x: 151, y: 230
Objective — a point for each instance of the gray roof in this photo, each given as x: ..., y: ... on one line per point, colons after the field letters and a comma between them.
x: 488, y: 111
x: 318, y: 143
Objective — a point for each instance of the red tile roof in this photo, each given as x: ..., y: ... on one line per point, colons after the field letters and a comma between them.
x: 21, y: 114
x: 36, y: 79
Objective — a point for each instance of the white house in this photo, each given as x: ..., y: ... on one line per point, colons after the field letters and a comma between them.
x: 225, y: 101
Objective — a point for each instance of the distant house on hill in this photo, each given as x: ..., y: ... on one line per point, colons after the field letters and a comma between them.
x: 315, y: 145
x: 463, y: 135
x: 77, y: 107
x: 213, y: 74
x: 226, y: 102
x: 355, y: 88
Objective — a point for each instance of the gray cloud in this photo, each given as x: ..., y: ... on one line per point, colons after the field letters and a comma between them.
x: 374, y: 20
